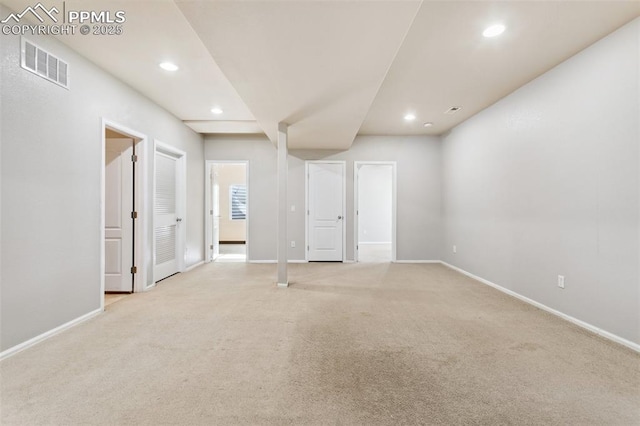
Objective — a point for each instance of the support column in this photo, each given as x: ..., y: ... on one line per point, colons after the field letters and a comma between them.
x: 283, y: 280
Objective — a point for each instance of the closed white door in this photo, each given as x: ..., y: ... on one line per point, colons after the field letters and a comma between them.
x: 118, y: 232
x: 326, y: 211
x: 167, y: 220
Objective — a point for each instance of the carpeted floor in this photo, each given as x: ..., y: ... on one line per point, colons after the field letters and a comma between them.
x: 346, y: 344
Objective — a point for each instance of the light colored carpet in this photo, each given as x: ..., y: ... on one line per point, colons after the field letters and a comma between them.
x: 346, y: 344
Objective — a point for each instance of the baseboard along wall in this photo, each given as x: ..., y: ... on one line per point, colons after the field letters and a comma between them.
x: 46, y: 335
x: 592, y: 328
x: 600, y: 332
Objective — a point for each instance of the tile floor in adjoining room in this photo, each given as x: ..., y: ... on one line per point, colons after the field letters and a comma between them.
x: 232, y: 253
x: 374, y: 252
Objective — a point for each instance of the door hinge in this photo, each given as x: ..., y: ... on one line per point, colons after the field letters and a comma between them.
x: 211, y: 246
x: 134, y: 158
x: 134, y: 269
x: 211, y: 212
x: 134, y: 215
x: 307, y: 248
x: 308, y: 213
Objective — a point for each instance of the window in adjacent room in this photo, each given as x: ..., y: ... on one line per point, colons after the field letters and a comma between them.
x: 238, y: 202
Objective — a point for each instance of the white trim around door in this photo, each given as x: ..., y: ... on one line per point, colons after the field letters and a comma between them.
x: 343, y: 215
x: 140, y: 233
x: 208, y: 206
x: 394, y: 198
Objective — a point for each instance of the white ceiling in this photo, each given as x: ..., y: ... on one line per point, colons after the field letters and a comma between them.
x: 156, y: 31
x: 445, y: 61
x: 315, y: 65
x: 332, y: 69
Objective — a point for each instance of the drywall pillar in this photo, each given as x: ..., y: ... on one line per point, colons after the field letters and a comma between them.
x: 283, y: 280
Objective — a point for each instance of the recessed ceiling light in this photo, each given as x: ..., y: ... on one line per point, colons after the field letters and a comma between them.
x: 428, y: 124
x: 169, y: 66
x: 494, y: 30
x: 217, y: 110
x: 410, y: 117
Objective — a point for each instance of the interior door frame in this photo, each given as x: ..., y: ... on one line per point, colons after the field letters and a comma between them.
x: 394, y: 200
x: 208, y: 205
x: 344, y: 205
x: 181, y: 192
x: 140, y: 232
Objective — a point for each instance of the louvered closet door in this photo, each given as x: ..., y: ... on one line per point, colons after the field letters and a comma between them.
x: 167, y: 220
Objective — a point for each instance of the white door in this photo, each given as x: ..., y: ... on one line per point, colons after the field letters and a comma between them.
x: 118, y: 232
x: 167, y: 220
x: 326, y: 211
x: 216, y: 216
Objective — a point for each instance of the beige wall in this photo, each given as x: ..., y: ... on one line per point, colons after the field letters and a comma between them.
x: 227, y: 175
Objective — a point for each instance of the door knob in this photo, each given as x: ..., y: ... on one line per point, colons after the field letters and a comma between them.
x: 178, y: 219
x: 339, y: 217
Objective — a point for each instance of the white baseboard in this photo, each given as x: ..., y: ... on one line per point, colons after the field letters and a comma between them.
x: 283, y: 285
x: 375, y: 242
x: 615, y: 338
x: 592, y: 328
x: 44, y: 336
x: 194, y: 266
x: 275, y: 261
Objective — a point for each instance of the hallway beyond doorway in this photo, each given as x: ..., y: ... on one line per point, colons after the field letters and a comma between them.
x: 227, y: 205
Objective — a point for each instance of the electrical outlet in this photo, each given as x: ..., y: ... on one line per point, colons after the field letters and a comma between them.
x: 561, y: 281
x: 455, y: 249
x: 293, y: 244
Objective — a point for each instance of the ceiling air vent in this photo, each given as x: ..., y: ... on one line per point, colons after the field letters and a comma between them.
x: 44, y: 64
x: 453, y: 110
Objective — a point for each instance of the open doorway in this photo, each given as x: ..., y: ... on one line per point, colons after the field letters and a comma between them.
x: 228, y: 194
x: 375, y: 204
x: 122, y: 228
